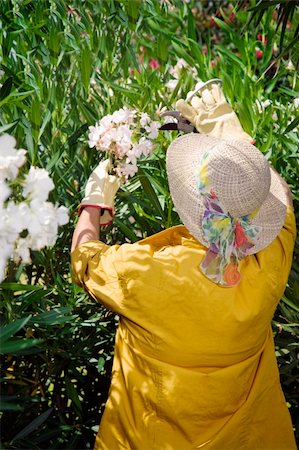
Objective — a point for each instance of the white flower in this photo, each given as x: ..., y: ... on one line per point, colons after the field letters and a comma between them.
x: 62, y: 215
x: 137, y: 149
x: 123, y: 134
x: 94, y: 135
x: 290, y: 66
x: 144, y: 119
x: 17, y: 217
x: 4, y: 191
x: 43, y: 225
x: 106, y: 121
x: 119, y: 171
x: 6, y: 251
x: 171, y: 84
x: 175, y: 71
x: 107, y: 139
x: 153, y: 129
x: 123, y: 115
x: 274, y: 116
x: 144, y: 146
x: 132, y: 157
x: 129, y: 170
x: 37, y: 184
x: 22, y: 250
x: 261, y: 106
x: 296, y: 102
x: 39, y: 218
x: 10, y: 158
x: 266, y: 103
x: 122, y: 149
x: 181, y: 63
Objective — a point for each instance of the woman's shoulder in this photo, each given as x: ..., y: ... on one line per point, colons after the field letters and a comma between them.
x: 173, y: 236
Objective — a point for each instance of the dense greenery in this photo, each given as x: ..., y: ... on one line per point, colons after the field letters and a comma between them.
x: 64, y: 67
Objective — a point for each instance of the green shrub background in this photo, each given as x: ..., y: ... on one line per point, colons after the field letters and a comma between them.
x: 63, y: 66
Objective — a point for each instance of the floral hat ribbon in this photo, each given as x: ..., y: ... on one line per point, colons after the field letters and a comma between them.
x: 229, y: 238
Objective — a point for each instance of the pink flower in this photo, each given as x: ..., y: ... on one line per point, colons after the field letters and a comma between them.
x: 204, y: 50
x: 262, y: 39
x: 154, y: 64
x: 259, y: 54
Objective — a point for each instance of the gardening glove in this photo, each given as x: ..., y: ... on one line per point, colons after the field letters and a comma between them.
x: 210, y: 113
x: 100, y: 191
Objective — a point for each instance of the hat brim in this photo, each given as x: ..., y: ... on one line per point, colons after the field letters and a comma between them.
x: 182, y: 161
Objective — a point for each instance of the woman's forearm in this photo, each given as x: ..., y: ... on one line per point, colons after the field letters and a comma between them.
x: 88, y: 227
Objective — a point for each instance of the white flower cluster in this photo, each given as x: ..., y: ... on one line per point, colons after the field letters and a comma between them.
x: 125, y: 135
x: 31, y: 223
x: 175, y: 72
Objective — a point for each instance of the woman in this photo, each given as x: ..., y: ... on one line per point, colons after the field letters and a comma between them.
x: 194, y: 364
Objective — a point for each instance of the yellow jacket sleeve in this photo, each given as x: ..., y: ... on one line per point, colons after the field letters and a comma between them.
x: 97, y: 268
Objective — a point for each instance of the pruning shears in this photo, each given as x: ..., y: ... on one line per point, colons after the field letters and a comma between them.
x: 182, y: 123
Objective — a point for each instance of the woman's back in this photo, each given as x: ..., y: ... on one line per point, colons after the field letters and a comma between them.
x: 194, y: 362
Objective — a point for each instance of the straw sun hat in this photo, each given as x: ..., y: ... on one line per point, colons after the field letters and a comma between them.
x: 237, y: 174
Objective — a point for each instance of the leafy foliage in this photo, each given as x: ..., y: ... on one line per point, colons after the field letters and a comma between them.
x: 63, y: 67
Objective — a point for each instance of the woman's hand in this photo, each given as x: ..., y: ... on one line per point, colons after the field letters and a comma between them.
x: 100, y: 191
x: 97, y: 206
x: 211, y: 114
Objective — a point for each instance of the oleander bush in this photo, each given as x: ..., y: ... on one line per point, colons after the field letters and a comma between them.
x: 64, y: 65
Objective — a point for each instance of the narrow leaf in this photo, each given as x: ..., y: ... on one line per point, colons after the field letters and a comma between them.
x: 18, y: 345
x: 33, y: 425
x: 6, y: 88
x: 9, y: 330
x: 292, y: 125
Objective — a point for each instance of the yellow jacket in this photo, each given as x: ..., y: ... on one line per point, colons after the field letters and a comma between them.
x: 194, y: 364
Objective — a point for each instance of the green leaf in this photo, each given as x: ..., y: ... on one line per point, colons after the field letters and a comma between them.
x: 151, y: 194
x: 87, y: 112
x: 53, y: 317
x: 221, y: 24
x: 17, y: 287
x: 18, y: 345
x: 9, y: 330
x: 229, y: 54
x: 6, y: 88
x: 128, y: 232
x: 179, y: 51
x: 33, y: 425
x: 191, y: 26
x: 10, y: 406
x: 73, y: 394
x: 8, y: 126
x: 85, y: 67
x: 101, y: 364
x: 292, y: 125
x: 75, y: 136
x: 15, y: 97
